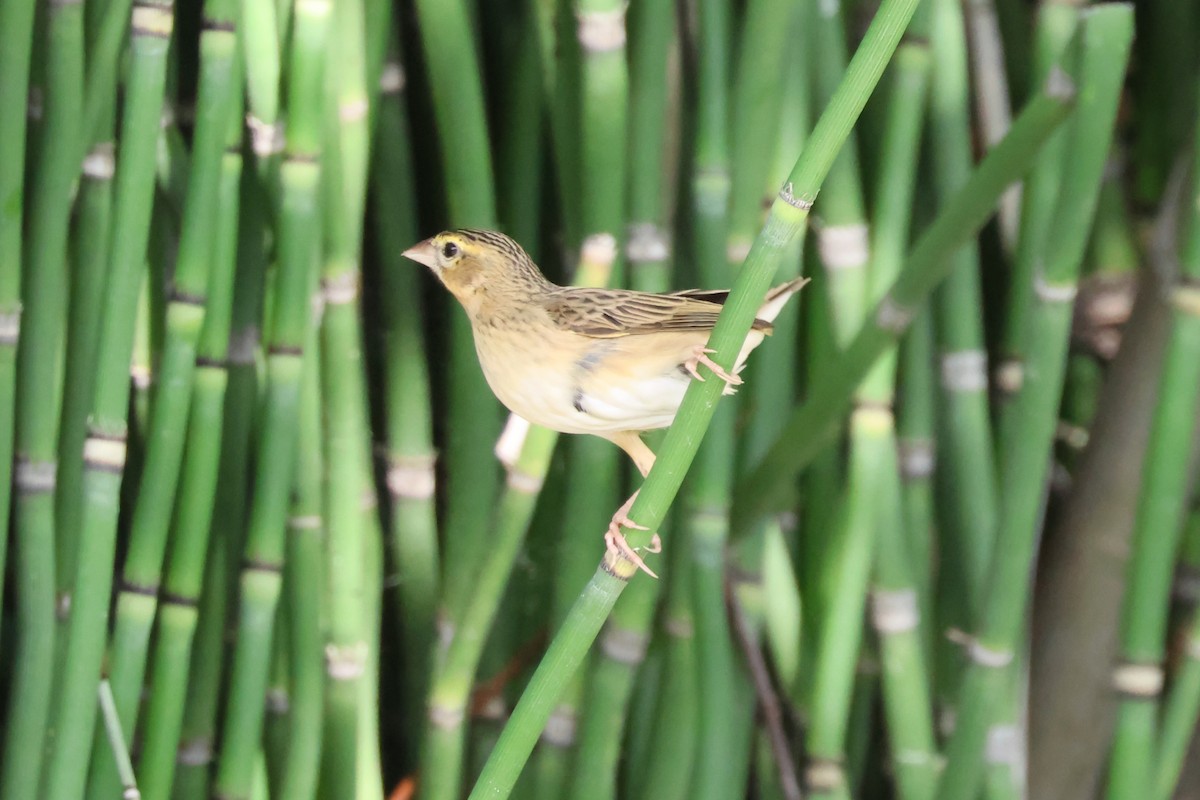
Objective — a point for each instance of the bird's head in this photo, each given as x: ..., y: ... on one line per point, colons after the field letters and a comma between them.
x: 475, y: 263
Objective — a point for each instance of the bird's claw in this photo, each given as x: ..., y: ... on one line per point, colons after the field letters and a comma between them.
x: 618, y: 546
x: 699, y: 357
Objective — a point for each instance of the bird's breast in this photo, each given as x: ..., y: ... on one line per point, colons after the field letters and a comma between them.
x: 578, y: 384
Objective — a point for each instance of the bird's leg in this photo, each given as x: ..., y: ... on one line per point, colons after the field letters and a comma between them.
x: 614, y: 539
x: 700, y: 356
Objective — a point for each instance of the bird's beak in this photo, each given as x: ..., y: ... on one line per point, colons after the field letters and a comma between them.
x: 422, y: 253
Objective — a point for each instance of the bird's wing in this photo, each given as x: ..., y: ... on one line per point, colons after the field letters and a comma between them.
x: 609, y: 313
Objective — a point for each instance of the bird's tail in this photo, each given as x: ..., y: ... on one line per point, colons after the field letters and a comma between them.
x: 777, y: 298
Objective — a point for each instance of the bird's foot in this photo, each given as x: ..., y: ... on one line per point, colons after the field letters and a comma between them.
x: 700, y: 356
x: 618, y: 546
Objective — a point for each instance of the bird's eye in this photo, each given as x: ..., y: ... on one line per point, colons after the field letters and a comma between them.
x: 449, y: 250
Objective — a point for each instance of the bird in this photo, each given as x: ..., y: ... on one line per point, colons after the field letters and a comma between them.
x: 612, y: 363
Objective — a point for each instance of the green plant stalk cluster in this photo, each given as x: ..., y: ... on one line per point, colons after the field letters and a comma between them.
x: 137, y: 600
x: 178, y: 616
x: 1103, y: 49
x: 104, y: 451
x: 787, y: 216
x: 198, y: 732
x: 260, y: 579
x: 768, y: 487
x: 16, y: 20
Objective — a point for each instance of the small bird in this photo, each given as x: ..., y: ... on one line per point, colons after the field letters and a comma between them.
x: 609, y: 362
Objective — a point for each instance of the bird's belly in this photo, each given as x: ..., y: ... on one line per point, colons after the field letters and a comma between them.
x: 555, y: 393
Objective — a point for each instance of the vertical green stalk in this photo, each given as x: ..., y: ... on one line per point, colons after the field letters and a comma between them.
x: 917, y: 460
x: 674, y: 727
x: 412, y: 537
x: 16, y: 43
x: 305, y: 586
x: 345, y: 436
x: 141, y: 576
x: 454, y: 671
x: 1106, y: 34
x: 787, y: 216
x: 104, y: 450
x: 967, y: 480
x: 843, y: 244
x: 895, y: 609
x: 724, y: 713
x: 472, y: 418
x: 38, y: 394
x: 291, y: 306
x: 89, y: 268
x: 1158, y: 526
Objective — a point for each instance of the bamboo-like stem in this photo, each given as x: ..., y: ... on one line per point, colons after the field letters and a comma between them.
x: 141, y: 575
x: 787, y: 215
x: 192, y: 524
x: 967, y: 480
x: 675, y: 729
x: 304, y: 583
x: 472, y: 412
x: 767, y: 486
x: 1139, y: 675
x: 412, y: 538
x: 843, y: 245
x: 724, y: 713
x: 16, y: 21
x: 917, y: 460
x: 293, y: 288
x: 261, y: 35
x: 38, y: 397
x: 894, y: 598
x: 344, y: 430
x: 1105, y: 37
x: 105, y: 446
x: 89, y: 265
x: 454, y: 673
x: 1056, y: 23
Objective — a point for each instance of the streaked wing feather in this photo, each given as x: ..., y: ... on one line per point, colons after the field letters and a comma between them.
x: 609, y: 313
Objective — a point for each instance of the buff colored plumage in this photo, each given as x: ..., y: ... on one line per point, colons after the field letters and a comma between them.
x: 608, y: 362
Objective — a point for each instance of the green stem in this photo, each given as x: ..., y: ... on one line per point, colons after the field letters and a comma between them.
x: 39, y: 394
